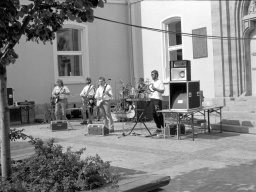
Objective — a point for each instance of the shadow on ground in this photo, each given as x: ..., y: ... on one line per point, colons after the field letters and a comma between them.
x: 240, y: 178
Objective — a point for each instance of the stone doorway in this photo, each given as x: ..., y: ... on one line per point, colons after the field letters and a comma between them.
x: 253, y: 60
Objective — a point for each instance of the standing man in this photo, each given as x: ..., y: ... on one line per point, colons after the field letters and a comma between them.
x: 157, y: 89
x: 87, y: 95
x: 103, y: 96
x: 59, y: 93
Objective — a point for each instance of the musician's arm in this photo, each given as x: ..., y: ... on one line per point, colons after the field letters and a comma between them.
x: 109, y: 92
x: 67, y: 92
x: 82, y: 94
x: 97, y: 94
x: 54, y: 92
x: 160, y: 90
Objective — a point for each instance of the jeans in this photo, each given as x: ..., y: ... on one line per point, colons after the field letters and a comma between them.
x: 156, y: 105
x: 106, y: 114
x: 60, y: 105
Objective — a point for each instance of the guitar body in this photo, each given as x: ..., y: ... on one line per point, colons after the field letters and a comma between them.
x: 99, y: 102
x: 57, y: 98
x: 88, y: 101
x: 130, y: 114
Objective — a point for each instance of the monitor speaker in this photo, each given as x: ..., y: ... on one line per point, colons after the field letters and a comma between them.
x: 184, y: 95
x: 180, y: 70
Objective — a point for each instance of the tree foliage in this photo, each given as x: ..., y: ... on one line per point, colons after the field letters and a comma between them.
x: 38, y: 20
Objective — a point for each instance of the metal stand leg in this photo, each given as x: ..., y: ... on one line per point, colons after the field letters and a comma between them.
x: 139, y: 120
x: 69, y: 123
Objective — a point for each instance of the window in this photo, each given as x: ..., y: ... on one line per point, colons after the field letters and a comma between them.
x: 71, y: 57
x: 172, y: 43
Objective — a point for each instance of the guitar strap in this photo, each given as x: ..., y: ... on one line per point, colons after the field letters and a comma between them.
x: 60, y: 91
x: 104, y: 88
x: 88, y: 90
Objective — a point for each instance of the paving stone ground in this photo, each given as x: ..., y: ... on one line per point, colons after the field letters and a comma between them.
x: 212, y: 162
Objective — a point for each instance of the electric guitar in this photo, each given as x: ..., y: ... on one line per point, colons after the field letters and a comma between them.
x: 100, y: 100
x: 88, y: 99
x: 57, y: 96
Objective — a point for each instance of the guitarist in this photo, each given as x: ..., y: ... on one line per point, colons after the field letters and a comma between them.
x: 59, y: 93
x: 103, y: 96
x: 87, y: 95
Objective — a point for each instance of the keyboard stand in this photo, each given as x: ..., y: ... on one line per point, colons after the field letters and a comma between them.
x: 139, y: 120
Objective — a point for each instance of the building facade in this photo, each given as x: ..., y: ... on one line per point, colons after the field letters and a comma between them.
x: 130, y: 38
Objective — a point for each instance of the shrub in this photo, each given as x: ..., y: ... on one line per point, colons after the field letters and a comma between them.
x: 52, y: 170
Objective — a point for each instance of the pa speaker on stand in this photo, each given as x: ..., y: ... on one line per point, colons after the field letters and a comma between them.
x: 180, y: 70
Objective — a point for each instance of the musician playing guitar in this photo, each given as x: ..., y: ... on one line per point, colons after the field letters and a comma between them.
x: 87, y: 95
x: 59, y: 93
x: 103, y: 96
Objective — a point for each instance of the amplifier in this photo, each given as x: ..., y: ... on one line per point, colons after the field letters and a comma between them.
x: 97, y: 129
x: 180, y: 70
x: 173, y: 129
x: 59, y: 125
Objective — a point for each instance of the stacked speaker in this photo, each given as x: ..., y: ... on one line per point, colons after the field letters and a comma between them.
x: 184, y: 93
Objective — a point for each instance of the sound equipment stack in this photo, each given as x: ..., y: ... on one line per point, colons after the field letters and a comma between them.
x: 184, y: 93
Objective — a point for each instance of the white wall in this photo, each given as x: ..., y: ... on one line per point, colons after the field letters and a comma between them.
x: 32, y: 76
x: 194, y: 14
x: 109, y: 45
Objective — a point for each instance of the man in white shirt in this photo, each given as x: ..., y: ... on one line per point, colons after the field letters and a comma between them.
x: 87, y: 95
x: 60, y: 92
x: 157, y: 89
x: 103, y: 96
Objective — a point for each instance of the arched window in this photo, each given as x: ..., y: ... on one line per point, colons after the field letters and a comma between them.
x: 70, y: 53
x: 172, y: 43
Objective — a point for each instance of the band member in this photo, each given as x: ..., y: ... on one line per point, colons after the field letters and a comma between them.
x: 87, y: 95
x: 103, y: 96
x: 141, y: 86
x: 59, y: 93
x: 157, y: 89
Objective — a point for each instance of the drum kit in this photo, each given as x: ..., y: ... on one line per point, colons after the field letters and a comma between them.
x: 127, y: 98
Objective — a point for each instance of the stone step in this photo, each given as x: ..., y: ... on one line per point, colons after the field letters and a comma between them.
x: 234, y: 128
x: 250, y: 109
x: 239, y: 115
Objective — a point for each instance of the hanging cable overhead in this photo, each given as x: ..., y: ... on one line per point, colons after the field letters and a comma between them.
x: 173, y: 32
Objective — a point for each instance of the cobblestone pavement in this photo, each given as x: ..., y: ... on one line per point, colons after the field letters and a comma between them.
x: 213, y: 162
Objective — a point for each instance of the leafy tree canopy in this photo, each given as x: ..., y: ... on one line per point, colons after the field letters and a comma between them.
x: 38, y: 20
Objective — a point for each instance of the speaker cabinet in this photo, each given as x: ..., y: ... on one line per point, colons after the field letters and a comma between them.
x: 10, y: 96
x: 184, y: 95
x: 180, y: 70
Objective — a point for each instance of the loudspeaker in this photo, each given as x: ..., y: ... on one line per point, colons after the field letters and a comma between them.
x: 97, y: 129
x: 10, y: 96
x: 184, y: 95
x: 59, y: 125
x: 180, y: 70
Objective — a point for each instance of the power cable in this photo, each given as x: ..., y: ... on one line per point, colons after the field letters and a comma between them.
x: 173, y: 32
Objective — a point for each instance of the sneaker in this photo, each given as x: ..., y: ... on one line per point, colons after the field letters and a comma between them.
x: 157, y: 131
x: 84, y: 123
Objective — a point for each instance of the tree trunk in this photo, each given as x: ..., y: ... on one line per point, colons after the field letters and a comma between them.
x: 5, y: 129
